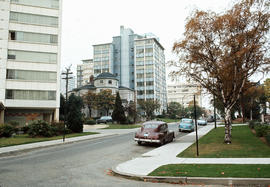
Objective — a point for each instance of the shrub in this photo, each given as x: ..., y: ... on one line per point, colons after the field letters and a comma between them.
x: 24, y: 129
x: 6, y: 130
x: 40, y: 128
x: 261, y: 130
x: 268, y: 138
x: 90, y: 122
x: 58, y: 128
x: 253, y: 123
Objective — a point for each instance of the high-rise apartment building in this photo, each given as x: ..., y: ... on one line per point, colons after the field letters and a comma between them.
x: 30, y: 33
x: 84, y: 72
x: 137, y: 61
x: 183, y: 93
x: 150, y: 71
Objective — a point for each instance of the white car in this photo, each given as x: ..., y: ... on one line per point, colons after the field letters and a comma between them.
x: 201, y: 121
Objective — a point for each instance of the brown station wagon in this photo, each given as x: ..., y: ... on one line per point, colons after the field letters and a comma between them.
x: 154, y: 132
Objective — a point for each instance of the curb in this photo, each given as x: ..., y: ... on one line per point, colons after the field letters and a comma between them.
x: 196, y: 180
x: 11, y: 152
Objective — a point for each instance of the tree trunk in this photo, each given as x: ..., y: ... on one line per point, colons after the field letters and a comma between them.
x: 89, y: 108
x: 228, y: 125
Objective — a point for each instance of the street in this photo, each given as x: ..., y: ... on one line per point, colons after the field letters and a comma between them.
x: 85, y: 163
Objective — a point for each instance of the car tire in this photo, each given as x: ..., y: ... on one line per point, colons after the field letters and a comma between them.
x: 180, y: 130
x: 139, y: 142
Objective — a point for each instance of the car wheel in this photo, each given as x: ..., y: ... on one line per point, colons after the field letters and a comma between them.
x: 139, y: 142
x: 180, y: 130
x: 162, y: 142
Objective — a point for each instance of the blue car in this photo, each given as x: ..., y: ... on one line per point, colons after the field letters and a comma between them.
x: 186, y: 124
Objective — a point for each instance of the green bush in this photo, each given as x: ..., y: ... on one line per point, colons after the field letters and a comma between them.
x: 261, y: 130
x: 40, y: 128
x: 25, y: 129
x: 58, y: 128
x: 6, y: 130
x: 268, y: 138
x: 253, y: 123
x: 90, y: 122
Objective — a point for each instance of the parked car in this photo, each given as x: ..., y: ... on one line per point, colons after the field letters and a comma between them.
x: 104, y: 119
x: 201, y: 121
x: 154, y: 132
x: 210, y: 119
x: 186, y: 124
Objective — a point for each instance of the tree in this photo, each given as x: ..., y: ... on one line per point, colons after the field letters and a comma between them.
x: 199, y: 111
x: 222, y: 51
x: 149, y: 106
x: 175, y: 110
x: 105, y: 100
x: 74, y: 117
x: 62, y: 107
x: 132, y: 111
x: 118, y: 111
x: 90, y: 100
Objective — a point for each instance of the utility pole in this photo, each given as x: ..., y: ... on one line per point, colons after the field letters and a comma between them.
x: 195, y: 116
x: 66, y: 77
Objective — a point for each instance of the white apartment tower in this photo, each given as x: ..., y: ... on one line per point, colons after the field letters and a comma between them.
x: 150, y: 71
x: 30, y: 33
x: 84, y: 72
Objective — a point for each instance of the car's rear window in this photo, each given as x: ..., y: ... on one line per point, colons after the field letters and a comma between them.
x: 150, y: 126
x: 186, y: 121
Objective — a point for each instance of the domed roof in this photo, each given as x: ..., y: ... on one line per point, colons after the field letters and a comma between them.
x: 106, y: 75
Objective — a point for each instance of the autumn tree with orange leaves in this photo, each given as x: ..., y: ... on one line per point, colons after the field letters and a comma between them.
x: 222, y: 51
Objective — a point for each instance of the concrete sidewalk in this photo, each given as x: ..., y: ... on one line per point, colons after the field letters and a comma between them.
x: 148, y: 162
x: 103, y: 133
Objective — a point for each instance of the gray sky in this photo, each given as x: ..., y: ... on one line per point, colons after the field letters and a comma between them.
x: 89, y: 22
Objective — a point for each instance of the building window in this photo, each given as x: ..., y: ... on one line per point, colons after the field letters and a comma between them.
x: 31, y: 75
x: 31, y: 56
x: 33, y: 37
x: 110, y: 81
x: 33, y: 19
x: 40, y: 3
x: 101, y: 81
x: 30, y: 95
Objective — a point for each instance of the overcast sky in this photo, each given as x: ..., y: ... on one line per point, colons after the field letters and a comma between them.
x: 89, y: 22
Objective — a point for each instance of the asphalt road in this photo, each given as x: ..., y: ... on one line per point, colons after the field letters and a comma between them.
x: 85, y: 163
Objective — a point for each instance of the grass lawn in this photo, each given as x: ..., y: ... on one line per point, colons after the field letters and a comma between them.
x: 25, y: 139
x: 214, y: 170
x: 122, y: 126
x: 244, y: 145
x: 168, y: 120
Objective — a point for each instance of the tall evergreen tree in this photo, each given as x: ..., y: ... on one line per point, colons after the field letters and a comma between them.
x: 74, y: 117
x: 118, y: 111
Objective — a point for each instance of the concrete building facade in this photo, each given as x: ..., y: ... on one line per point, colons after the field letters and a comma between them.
x: 183, y: 93
x: 84, y: 72
x: 150, y: 71
x: 30, y: 37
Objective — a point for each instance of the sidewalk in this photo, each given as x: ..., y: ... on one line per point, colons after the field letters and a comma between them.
x: 142, y: 166
x: 103, y: 133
